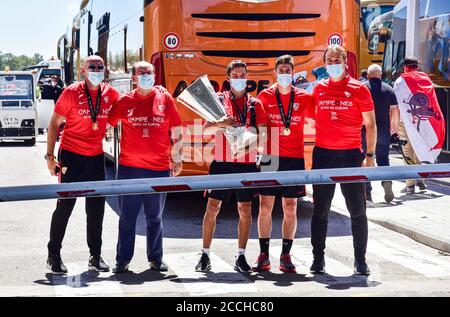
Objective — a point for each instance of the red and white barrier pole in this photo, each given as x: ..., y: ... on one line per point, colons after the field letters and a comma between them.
x: 235, y: 181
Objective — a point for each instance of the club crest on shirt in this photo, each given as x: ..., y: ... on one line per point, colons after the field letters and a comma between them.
x: 161, y: 108
x: 106, y: 99
x: 296, y: 106
x: 64, y: 170
x: 130, y: 112
x: 347, y: 94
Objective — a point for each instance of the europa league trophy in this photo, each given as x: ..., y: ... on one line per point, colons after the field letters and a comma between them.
x: 201, y: 98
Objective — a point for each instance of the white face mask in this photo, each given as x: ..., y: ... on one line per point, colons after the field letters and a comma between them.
x: 285, y: 80
x: 336, y: 70
x: 238, y: 84
x: 146, y: 81
x: 96, y: 78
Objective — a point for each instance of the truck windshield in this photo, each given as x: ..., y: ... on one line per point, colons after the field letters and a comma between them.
x: 16, y: 87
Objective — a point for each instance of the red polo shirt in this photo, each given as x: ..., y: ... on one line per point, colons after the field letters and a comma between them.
x: 79, y: 137
x: 339, y: 113
x: 292, y: 145
x: 147, y: 122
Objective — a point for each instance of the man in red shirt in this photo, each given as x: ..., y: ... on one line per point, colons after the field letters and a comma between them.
x: 85, y: 107
x: 243, y: 110
x: 150, y: 124
x: 286, y: 107
x: 343, y: 105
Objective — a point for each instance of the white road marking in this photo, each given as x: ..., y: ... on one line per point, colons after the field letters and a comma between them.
x: 409, y: 258
x: 222, y: 280
x: 79, y: 282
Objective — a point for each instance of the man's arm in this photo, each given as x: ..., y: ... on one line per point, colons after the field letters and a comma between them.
x: 53, y: 127
x: 177, y: 150
x: 371, y: 135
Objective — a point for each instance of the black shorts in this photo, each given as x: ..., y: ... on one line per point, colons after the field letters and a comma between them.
x: 242, y: 195
x: 285, y: 164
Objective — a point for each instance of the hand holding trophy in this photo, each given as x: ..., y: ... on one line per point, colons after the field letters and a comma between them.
x: 201, y: 98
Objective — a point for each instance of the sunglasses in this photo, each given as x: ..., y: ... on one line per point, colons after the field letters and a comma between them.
x: 96, y: 67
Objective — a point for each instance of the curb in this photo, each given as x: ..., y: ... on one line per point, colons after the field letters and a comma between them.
x: 420, y: 237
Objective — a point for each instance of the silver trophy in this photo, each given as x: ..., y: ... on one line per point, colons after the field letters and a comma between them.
x: 201, y: 98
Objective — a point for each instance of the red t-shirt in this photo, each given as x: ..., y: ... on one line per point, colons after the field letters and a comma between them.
x: 339, y: 113
x: 222, y: 149
x: 293, y: 145
x: 79, y: 136
x: 146, y: 129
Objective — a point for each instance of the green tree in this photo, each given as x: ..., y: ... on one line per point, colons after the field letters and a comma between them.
x: 18, y: 62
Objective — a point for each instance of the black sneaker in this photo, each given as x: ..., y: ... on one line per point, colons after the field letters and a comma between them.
x: 98, y: 265
x: 242, y: 265
x: 421, y: 185
x: 318, y: 267
x: 388, y: 193
x: 56, y: 265
x: 361, y: 268
x: 121, y: 268
x: 159, y: 266
x: 204, y: 264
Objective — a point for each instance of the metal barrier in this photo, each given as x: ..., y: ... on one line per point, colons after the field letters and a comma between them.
x: 236, y: 181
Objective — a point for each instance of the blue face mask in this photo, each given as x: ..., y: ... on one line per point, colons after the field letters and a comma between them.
x: 238, y: 84
x: 285, y: 80
x: 335, y: 71
x: 96, y: 78
x: 146, y: 81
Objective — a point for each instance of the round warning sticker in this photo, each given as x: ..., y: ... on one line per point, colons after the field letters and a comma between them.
x: 172, y: 41
x: 335, y: 39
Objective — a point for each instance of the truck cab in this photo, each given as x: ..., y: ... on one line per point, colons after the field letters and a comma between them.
x: 18, y: 113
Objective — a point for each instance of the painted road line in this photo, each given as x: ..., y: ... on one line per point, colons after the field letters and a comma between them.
x: 412, y: 259
x: 222, y: 280
x: 79, y: 282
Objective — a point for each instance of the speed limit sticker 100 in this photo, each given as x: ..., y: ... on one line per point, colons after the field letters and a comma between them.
x: 172, y: 41
x: 335, y: 39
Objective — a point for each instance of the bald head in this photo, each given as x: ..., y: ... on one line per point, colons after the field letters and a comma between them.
x: 93, y: 59
x: 375, y: 71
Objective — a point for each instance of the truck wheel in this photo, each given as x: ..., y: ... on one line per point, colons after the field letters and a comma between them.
x: 31, y: 142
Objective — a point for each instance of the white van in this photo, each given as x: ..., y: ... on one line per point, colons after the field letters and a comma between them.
x: 18, y: 114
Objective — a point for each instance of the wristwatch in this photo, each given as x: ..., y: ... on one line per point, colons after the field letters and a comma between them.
x: 371, y: 155
x: 49, y: 157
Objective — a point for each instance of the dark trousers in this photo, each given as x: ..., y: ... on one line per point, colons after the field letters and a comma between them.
x: 79, y: 168
x: 354, y: 198
x: 130, y: 207
x: 382, y: 157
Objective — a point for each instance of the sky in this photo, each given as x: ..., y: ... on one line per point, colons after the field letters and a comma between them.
x: 34, y: 26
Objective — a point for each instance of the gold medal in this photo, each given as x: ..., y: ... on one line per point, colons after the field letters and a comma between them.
x: 287, y: 132
x: 95, y: 126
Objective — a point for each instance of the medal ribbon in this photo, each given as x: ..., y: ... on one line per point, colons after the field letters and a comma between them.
x: 94, y: 111
x: 286, y: 118
x: 242, y: 115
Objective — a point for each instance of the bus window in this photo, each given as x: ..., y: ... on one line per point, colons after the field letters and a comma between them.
x: 438, y: 7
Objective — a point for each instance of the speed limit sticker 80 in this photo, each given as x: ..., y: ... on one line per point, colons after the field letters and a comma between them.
x: 172, y: 41
x: 335, y: 39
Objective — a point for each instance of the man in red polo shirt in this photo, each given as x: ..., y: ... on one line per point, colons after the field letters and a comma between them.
x: 150, y: 124
x: 243, y: 110
x: 85, y: 107
x: 343, y: 105
x: 286, y: 107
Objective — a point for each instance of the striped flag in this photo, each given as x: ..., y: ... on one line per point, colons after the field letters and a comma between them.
x: 421, y: 114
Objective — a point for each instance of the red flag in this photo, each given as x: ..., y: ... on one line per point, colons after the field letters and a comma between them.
x: 421, y: 113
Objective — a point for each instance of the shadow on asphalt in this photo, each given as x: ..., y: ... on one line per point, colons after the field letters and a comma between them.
x: 84, y: 279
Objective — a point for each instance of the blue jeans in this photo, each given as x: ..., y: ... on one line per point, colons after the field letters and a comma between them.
x: 130, y: 207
